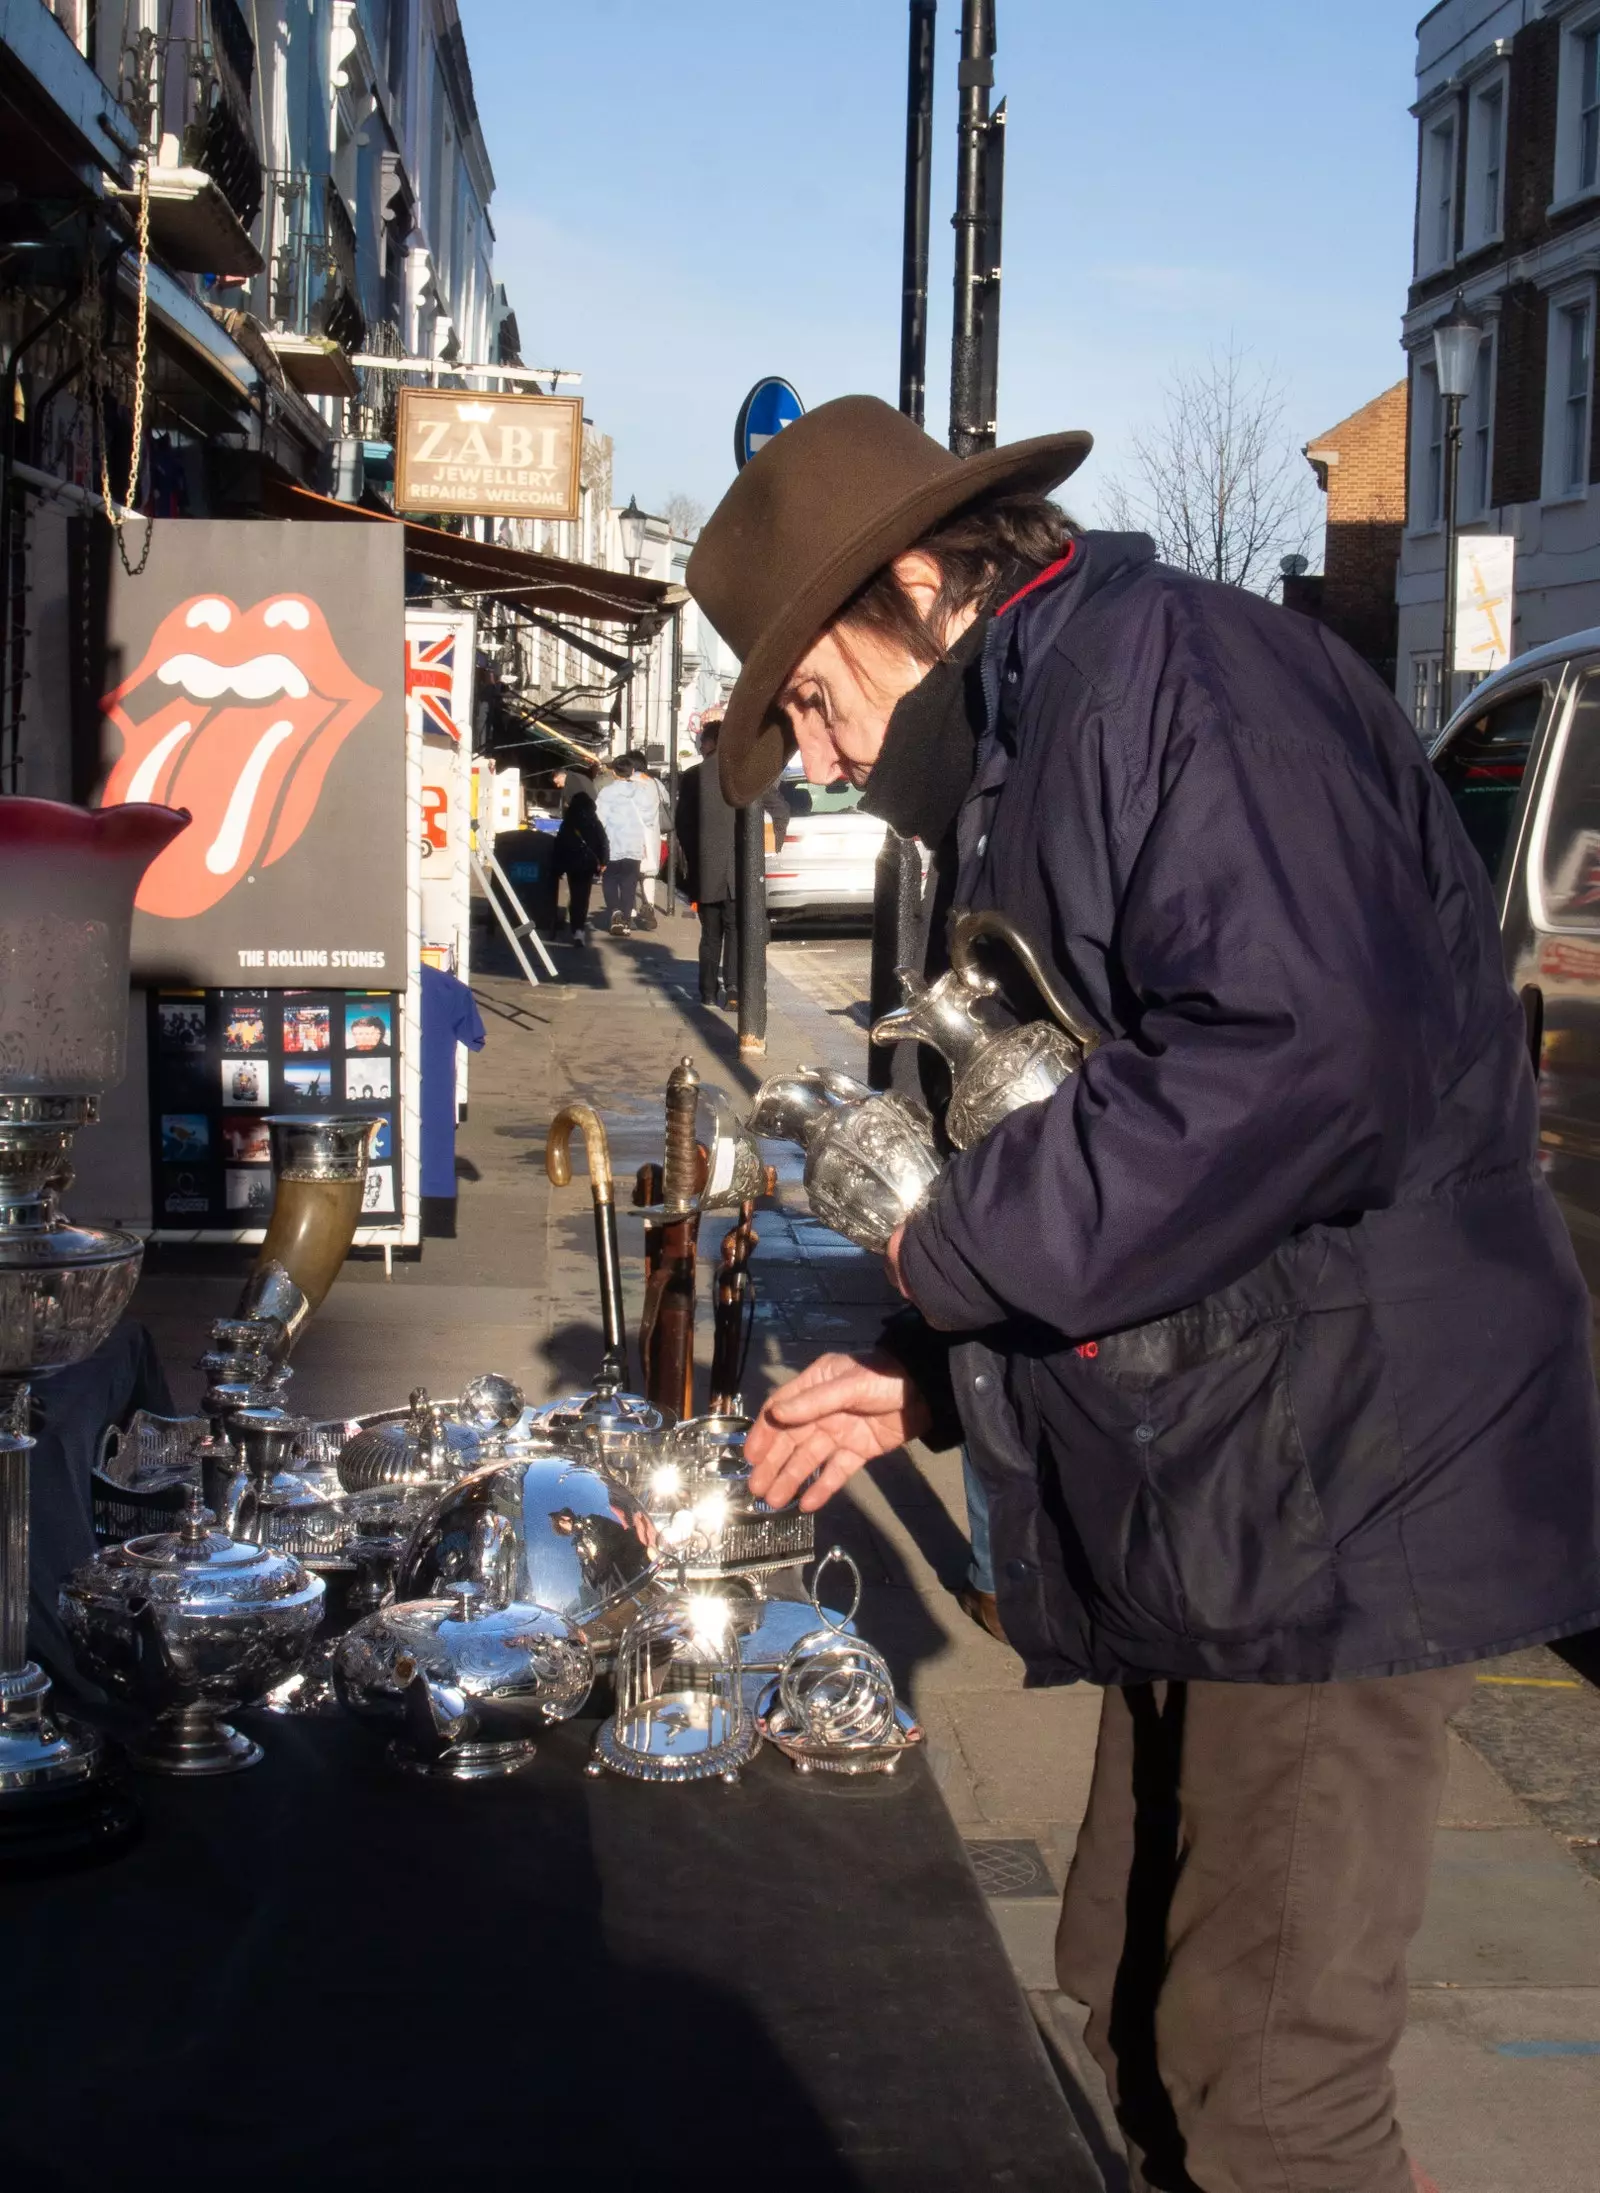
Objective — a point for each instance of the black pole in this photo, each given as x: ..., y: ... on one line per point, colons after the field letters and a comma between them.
x: 672, y: 760
x: 919, y: 181
x: 750, y: 913
x: 975, y: 79
x: 896, y: 912
x: 994, y: 194
x: 1452, y: 465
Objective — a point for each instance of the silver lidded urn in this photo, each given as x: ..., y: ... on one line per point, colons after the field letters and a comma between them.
x: 191, y: 1624
x: 68, y: 877
x: 994, y: 1070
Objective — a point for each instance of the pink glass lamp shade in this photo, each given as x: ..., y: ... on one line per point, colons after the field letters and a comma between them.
x: 67, y: 881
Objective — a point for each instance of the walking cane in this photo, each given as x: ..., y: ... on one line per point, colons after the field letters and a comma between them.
x: 666, y: 1330
x: 733, y: 1315
x: 558, y: 1169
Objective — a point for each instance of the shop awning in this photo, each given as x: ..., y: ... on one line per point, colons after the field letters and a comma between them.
x: 546, y: 586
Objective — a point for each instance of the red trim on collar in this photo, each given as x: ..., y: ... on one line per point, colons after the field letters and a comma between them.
x: 1050, y: 571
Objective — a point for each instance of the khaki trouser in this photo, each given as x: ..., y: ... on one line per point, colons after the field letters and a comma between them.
x: 1252, y: 1865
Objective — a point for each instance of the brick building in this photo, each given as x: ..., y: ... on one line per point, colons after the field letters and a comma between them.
x: 1508, y: 212
x: 1360, y: 466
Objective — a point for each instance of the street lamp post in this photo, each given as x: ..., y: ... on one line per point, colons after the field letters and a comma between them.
x: 631, y: 525
x: 1455, y: 359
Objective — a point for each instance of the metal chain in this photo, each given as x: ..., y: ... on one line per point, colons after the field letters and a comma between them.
x: 118, y: 519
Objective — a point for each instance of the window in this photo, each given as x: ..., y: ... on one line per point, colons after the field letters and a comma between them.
x: 1436, y: 213
x: 1425, y: 695
x: 1427, y: 449
x: 1486, y: 136
x: 1577, y: 160
x: 1570, y: 863
x: 1483, y: 767
x: 1567, y: 400
x: 1588, y: 50
x: 1477, y: 421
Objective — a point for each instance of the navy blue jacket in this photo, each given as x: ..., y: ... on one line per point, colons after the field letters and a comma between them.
x: 1275, y: 1355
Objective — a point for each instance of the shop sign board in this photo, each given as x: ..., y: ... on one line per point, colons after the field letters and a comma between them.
x: 1485, y: 579
x: 255, y: 676
x: 488, y: 456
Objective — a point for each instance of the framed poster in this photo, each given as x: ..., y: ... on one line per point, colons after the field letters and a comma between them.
x: 440, y: 654
x: 255, y: 676
x: 222, y: 1060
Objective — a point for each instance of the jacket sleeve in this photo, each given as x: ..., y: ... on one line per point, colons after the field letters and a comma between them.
x: 1276, y: 936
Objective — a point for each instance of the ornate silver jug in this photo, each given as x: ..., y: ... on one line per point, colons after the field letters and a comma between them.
x: 870, y: 1160
x: 994, y: 1071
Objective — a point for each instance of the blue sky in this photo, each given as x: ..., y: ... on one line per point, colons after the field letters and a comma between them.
x: 691, y: 193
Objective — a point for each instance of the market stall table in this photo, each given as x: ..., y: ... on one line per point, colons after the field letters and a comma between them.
x: 319, y: 1973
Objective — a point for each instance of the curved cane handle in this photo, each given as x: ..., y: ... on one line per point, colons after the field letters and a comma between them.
x: 558, y: 1149
x: 966, y: 930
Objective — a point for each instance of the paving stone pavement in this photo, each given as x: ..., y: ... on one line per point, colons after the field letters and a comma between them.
x: 1500, y: 2067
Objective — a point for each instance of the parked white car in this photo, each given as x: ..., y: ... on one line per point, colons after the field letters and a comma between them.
x: 825, y: 866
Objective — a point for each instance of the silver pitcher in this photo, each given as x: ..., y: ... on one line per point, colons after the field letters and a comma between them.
x: 870, y: 1160
x: 994, y: 1071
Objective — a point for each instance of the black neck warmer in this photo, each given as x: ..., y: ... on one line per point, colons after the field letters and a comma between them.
x: 928, y: 754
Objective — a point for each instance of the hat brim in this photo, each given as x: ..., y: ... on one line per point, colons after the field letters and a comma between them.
x: 751, y: 749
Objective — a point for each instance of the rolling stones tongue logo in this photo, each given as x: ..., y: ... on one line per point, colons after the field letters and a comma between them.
x: 235, y: 714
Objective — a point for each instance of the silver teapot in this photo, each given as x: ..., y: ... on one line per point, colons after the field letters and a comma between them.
x: 994, y: 1071
x: 870, y: 1160
x: 464, y: 1680
x: 618, y: 1432
x: 433, y: 1444
x: 191, y: 1624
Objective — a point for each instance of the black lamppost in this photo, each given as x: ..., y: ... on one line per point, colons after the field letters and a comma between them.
x: 631, y: 523
x: 1455, y: 361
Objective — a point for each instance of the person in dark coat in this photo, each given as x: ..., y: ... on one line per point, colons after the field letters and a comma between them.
x: 581, y: 849
x: 705, y: 831
x: 1263, y: 1332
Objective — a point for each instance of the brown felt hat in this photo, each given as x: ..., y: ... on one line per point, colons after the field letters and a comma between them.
x: 812, y: 516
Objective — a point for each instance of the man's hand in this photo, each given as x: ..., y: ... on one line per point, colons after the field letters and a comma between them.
x: 835, y: 1416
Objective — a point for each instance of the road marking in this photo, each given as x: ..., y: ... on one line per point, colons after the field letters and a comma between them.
x: 1532, y: 1682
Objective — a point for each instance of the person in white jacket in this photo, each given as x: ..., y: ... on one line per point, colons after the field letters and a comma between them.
x: 652, y: 797
x: 622, y: 818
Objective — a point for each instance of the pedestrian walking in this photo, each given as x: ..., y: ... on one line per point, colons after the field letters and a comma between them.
x: 706, y: 859
x: 1263, y: 1334
x: 651, y: 795
x: 582, y: 849
x: 620, y: 818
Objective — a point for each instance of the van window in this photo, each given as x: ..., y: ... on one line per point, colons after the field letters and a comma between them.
x: 1484, y: 765
x: 1571, y: 861
x: 819, y: 799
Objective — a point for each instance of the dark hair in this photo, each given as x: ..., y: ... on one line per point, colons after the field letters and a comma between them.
x: 622, y: 765
x: 979, y: 551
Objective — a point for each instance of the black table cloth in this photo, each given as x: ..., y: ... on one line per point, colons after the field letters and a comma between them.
x: 321, y: 1973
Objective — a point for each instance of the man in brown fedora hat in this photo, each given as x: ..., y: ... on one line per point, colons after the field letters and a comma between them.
x: 1263, y: 1332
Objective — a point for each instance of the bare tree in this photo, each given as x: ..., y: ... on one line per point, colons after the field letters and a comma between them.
x: 684, y: 515
x: 1218, y: 483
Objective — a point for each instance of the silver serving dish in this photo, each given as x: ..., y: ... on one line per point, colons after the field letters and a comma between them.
x: 871, y: 1161
x: 191, y: 1623
x: 542, y: 1530
x: 680, y: 1713
x: 464, y: 1683
x: 429, y: 1445
x: 809, y: 1756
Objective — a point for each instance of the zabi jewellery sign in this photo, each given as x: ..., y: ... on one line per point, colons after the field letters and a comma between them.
x: 258, y: 683
x: 488, y: 456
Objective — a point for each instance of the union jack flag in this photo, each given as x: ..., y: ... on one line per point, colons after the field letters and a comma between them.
x: 430, y: 680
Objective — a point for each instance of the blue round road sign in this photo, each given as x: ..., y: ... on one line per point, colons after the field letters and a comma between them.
x: 770, y: 406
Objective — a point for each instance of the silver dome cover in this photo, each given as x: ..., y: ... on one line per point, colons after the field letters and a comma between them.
x: 520, y: 1659
x: 540, y: 1530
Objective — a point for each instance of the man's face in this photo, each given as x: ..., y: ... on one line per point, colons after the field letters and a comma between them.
x: 841, y: 693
